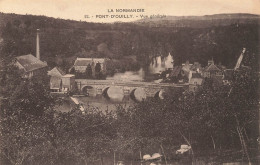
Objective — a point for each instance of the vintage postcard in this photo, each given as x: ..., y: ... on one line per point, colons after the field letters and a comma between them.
x: 129, y: 82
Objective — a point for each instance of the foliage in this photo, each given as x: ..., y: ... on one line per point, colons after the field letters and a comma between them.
x: 213, y: 120
x: 65, y: 39
x: 89, y: 71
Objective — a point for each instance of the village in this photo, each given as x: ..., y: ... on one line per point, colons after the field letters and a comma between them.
x: 189, y: 76
x: 176, y: 92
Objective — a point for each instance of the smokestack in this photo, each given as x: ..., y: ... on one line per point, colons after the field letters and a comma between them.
x: 38, y: 44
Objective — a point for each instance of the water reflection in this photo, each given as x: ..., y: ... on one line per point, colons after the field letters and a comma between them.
x: 115, y: 94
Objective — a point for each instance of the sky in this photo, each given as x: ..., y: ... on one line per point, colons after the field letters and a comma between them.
x: 101, y: 10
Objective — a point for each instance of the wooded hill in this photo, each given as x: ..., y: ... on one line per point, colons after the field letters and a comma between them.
x: 220, y: 37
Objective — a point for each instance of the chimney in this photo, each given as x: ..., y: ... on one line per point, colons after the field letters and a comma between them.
x: 38, y: 45
x: 210, y: 62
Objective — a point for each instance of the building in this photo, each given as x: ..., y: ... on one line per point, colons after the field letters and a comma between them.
x: 61, y: 82
x: 31, y: 66
x: 81, y: 64
x: 56, y: 72
x: 195, y: 81
x: 56, y: 79
x: 186, y: 67
x: 212, y: 70
x: 68, y: 82
x: 56, y: 84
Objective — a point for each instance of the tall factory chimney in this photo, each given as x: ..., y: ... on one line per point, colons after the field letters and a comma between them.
x: 38, y: 45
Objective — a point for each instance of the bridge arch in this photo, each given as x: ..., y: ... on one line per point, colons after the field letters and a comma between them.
x: 104, y: 92
x: 88, y: 90
x: 159, y: 94
x: 138, y: 94
x: 113, y: 93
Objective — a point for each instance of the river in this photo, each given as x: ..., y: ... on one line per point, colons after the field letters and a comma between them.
x: 158, y: 65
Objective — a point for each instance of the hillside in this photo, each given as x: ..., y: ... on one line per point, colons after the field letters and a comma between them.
x: 200, y: 21
x: 220, y: 37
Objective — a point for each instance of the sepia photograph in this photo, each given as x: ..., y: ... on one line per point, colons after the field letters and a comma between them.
x: 129, y: 82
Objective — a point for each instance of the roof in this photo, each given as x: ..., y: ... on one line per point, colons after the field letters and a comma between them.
x: 212, y: 67
x: 175, y: 71
x: 56, y: 72
x: 55, y: 82
x: 69, y: 75
x: 30, y: 62
x: 86, y: 61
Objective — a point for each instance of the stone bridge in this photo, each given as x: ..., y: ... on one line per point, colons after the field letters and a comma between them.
x: 136, y: 90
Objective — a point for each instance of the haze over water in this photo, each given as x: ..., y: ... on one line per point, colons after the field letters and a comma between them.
x: 158, y: 65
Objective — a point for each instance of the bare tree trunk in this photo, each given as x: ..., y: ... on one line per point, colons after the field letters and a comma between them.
x: 86, y: 162
x: 101, y: 160
x: 246, y: 134
x: 114, y: 158
x: 188, y: 142
x: 141, y: 157
x: 242, y: 140
x: 214, y: 145
x: 164, y: 155
x: 245, y: 147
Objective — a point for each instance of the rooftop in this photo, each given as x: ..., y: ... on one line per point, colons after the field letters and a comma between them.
x: 212, y: 67
x: 56, y: 71
x: 69, y: 75
x: 86, y: 61
x: 30, y: 62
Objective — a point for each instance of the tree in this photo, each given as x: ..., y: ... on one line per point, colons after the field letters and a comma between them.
x: 98, y: 73
x: 26, y: 116
x: 89, y: 72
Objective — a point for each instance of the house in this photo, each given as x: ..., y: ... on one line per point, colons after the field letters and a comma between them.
x: 61, y: 82
x: 68, y: 82
x: 212, y: 70
x: 81, y: 64
x: 31, y: 66
x: 56, y: 72
x: 56, y: 84
x: 186, y: 67
x: 56, y: 79
x: 195, y: 81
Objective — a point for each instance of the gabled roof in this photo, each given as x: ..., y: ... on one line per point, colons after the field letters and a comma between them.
x: 86, y: 61
x: 30, y: 62
x: 212, y: 67
x: 57, y: 72
x: 175, y: 71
